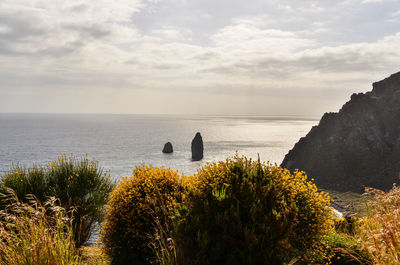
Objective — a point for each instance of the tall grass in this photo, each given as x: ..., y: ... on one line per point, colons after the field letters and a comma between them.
x: 379, y: 232
x: 161, y: 239
x: 31, y: 233
x: 81, y: 186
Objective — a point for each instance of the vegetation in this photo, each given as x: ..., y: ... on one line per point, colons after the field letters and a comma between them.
x: 94, y: 255
x: 236, y: 211
x: 133, y: 204
x: 379, y: 232
x: 246, y: 212
x: 81, y: 186
x: 345, y: 250
x: 343, y: 246
x: 34, y: 234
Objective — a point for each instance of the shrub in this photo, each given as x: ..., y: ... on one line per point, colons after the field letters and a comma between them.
x: 129, y: 218
x: 25, y: 181
x: 245, y: 212
x: 36, y: 234
x: 344, y: 249
x: 80, y: 185
x: 379, y: 232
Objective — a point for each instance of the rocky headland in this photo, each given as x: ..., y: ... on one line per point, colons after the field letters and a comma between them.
x: 357, y: 147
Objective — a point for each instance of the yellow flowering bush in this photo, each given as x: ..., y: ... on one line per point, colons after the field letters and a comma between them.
x: 247, y: 212
x: 138, y: 199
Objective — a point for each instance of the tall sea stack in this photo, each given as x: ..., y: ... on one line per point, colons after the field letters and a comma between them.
x: 197, y: 147
x: 357, y: 147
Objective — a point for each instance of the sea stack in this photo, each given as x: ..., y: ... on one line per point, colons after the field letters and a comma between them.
x: 197, y: 147
x: 357, y: 147
x: 168, y: 148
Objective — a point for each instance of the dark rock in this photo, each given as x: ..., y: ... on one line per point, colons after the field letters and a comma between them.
x: 197, y: 147
x: 168, y: 148
x: 357, y: 147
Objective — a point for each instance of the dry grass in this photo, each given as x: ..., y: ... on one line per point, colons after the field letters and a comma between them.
x: 379, y: 232
x: 161, y: 239
x: 94, y: 256
x: 34, y: 234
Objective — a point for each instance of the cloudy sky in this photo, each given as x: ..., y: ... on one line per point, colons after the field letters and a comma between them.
x: 254, y: 57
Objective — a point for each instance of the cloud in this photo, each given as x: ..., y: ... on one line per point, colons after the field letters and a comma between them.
x: 59, y: 27
x: 315, y: 52
x: 372, y: 1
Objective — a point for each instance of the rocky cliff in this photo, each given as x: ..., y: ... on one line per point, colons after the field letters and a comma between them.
x: 357, y: 147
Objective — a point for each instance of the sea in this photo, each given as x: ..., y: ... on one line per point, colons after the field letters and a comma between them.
x: 122, y: 142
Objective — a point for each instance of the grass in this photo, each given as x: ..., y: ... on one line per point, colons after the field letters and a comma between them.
x: 81, y: 186
x: 34, y: 234
x: 346, y: 250
x: 379, y: 232
x: 93, y: 255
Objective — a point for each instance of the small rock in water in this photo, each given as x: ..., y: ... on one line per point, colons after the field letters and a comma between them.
x: 197, y: 147
x: 168, y: 148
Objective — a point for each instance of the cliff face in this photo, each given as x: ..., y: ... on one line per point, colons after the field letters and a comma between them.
x: 357, y: 147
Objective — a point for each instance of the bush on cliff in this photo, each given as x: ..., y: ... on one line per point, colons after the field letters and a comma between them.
x: 246, y: 212
x: 81, y: 186
x: 150, y: 196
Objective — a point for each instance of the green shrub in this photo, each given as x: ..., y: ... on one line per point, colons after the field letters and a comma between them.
x: 344, y: 249
x: 35, y: 234
x: 245, y: 212
x: 26, y: 181
x: 81, y: 186
x: 130, y: 216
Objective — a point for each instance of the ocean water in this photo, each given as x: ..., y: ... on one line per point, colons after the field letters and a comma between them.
x: 121, y: 142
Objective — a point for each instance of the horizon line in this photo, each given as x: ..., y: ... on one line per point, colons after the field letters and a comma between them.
x: 161, y: 114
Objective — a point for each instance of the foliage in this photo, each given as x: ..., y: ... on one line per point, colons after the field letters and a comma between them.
x: 246, y: 212
x: 161, y: 240
x: 380, y: 230
x: 346, y: 225
x: 34, y: 234
x: 26, y: 181
x: 93, y: 255
x: 344, y: 249
x: 80, y: 185
x: 129, y: 218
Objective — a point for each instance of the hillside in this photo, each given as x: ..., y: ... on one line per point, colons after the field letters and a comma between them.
x: 357, y: 147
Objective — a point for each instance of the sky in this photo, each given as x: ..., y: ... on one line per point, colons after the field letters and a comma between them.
x: 208, y: 57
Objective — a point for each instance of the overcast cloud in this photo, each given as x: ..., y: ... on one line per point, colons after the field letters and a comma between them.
x: 274, y: 57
